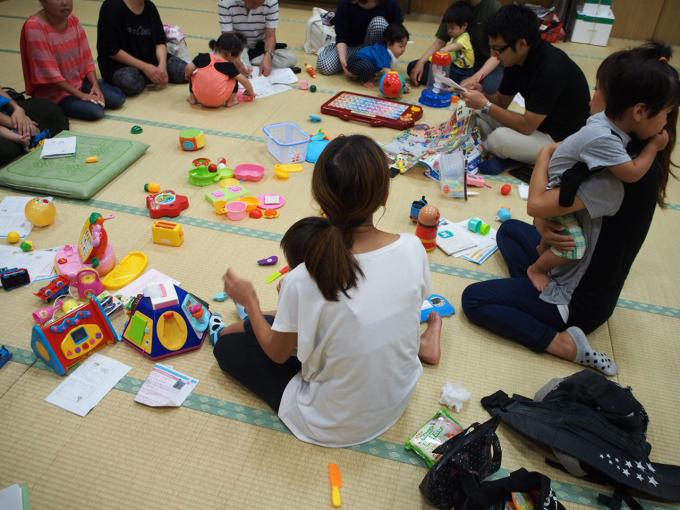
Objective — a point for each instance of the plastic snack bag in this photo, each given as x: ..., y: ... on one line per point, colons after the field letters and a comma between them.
x: 434, y: 433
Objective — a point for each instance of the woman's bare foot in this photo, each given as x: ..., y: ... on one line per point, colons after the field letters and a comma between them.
x: 191, y: 99
x: 233, y: 100
x: 369, y: 85
x: 430, y: 340
x: 540, y: 280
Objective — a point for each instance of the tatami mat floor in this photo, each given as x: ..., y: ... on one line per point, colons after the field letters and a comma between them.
x: 223, y: 449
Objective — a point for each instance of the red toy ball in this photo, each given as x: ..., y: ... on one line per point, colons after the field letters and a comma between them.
x: 212, y: 167
x: 505, y: 189
x: 256, y: 213
x: 391, y: 84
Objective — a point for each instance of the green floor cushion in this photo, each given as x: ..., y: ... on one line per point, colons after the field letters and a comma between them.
x: 71, y: 176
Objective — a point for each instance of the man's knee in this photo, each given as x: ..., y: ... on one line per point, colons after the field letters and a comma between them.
x: 499, y: 142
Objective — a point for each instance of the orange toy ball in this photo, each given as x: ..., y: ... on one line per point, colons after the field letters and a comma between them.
x: 40, y: 211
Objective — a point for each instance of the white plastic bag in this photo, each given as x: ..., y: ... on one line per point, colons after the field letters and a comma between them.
x: 318, y: 34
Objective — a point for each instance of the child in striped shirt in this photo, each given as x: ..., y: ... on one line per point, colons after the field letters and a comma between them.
x: 58, y: 64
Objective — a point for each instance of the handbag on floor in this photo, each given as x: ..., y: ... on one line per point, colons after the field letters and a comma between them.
x: 319, y: 34
x: 466, y: 459
x: 495, y: 493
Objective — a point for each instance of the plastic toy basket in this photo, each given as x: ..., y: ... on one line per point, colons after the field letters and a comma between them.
x: 287, y: 142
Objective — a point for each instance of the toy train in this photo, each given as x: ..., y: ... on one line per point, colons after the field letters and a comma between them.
x: 54, y: 289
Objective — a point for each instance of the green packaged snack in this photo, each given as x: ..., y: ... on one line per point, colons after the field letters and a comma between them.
x: 434, y: 433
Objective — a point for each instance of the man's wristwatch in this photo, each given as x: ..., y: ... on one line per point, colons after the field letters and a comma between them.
x: 487, y: 107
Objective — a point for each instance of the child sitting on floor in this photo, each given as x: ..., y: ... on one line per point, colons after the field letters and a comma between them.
x: 457, y: 19
x: 295, y: 244
x: 639, y: 102
x: 379, y: 57
x: 27, y: 141
x: 214, y: 77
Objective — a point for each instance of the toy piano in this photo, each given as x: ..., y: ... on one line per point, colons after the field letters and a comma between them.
x: 375, y: 111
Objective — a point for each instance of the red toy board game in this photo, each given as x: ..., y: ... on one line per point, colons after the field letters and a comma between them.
x: 376, y: 111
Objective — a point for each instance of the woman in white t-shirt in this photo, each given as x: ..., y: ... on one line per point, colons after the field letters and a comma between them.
x: 340, y: 361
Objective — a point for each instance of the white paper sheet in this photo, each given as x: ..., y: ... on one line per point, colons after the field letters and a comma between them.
x: 165, y: 387
x: 486, y: 245
x: 39, y: 263
x: 151, y: 277
x: 12, y: 498
x: 12, y: 218
x: 58, y: 147
x: 278, y: 81
x: 88, y: 384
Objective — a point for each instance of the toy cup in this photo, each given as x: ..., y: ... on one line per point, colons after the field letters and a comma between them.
x: 478, y: 226
x: 236, y: 211
x: 503, y: 214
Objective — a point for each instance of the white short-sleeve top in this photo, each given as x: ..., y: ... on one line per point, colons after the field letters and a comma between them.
x: 359, y: 355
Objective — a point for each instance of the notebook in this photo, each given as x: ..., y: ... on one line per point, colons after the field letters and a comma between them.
x: 59, y: 147
x: 452, y: 238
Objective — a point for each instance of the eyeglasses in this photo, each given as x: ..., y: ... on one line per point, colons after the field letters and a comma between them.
x: 500, y: 49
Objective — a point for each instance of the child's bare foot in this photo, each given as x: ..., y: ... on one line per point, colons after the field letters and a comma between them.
x: 233, y: 100
x: 369, y: 85
x: 430, y: 344
x: 192, y: 100
x: 540, y: 280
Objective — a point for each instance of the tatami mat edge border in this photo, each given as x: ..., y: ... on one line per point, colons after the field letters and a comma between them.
x: 469, y: 274
x: 267, y: 419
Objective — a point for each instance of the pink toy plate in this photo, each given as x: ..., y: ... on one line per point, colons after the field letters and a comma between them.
x: 271, y: 201
x: 249, y: 172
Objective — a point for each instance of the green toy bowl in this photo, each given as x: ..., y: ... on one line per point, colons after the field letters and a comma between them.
x: 201, y: 176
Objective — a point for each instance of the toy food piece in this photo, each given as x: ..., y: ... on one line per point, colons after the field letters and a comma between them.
x: 92, y: 159
x: 136, y: 130
x: 270, y: 214
x: 506, y: 189
x: 255, y: 213
x: 129, y: 269
x: 311, y: 71
x: 201, y: 162
x: 40, y: 211
x: 271, y: 201
x: 252, y: 203
x: 433, y: 434
x: 269, y: 261
x: 249, y: 172
x: 315, y: 118
x: 13, y: 237
x: 426, y: 230
x: 27, y: 245
x: 312, y: 88
x: 152, y: 187
x: 303, y: 84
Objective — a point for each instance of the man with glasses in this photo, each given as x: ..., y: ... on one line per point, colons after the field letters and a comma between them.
x: 554, y: 88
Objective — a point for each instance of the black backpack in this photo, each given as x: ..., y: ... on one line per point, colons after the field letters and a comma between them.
x: 597, y: 430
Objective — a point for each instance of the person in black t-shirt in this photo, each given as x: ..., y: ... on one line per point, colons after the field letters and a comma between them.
x: 131, y: 47
x: 511, y: 307
x: 554, y: 89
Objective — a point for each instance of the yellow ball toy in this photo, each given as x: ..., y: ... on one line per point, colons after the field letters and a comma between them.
x: 13, y: 237
x: 40, y: 211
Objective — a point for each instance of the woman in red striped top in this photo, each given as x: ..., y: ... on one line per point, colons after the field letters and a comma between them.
x: 58, y: 63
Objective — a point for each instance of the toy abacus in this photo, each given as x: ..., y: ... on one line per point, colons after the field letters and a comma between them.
x: 371, y: 110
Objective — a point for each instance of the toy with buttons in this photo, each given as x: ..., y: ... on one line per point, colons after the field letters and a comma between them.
x: 64, y: 342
